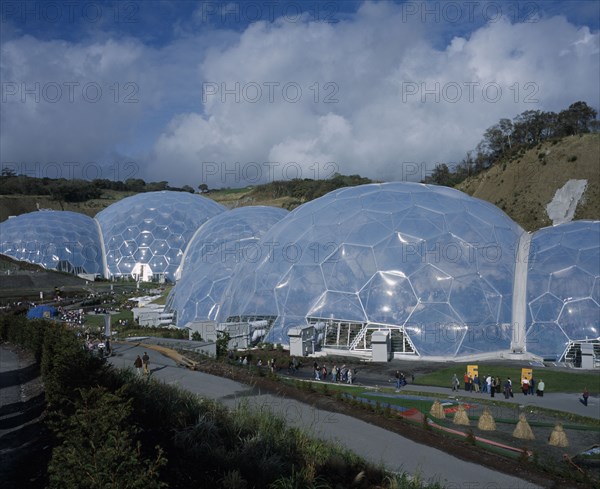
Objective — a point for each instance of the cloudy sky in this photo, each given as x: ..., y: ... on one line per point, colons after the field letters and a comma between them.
x: 232, y: 94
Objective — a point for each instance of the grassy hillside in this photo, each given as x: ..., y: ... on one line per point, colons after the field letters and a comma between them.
x: 239, y: 197
x: 524, y: 184
x: 14, y: 205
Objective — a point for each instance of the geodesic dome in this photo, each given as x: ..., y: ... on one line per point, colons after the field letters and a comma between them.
x: 57, y: 240
x: 563, y: 287
x: 429, y: 260
x: 211, y: 257
x: 145, y: 235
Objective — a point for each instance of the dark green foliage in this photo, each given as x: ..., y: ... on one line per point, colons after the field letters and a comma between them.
x: 97, y: 449
x: 27, y: 334
x: 64, y: 190
x: 66, y: 365
x: 74, y: 191
x: 426, y: 425
x: 471, y: 437
x: 223, y: 338
x: 308, y: 189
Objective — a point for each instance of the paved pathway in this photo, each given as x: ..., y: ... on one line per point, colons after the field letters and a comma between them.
x: 560, y: 401
x: 371, y: 442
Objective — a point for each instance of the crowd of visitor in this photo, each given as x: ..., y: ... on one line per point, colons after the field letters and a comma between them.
x: 494, y: 385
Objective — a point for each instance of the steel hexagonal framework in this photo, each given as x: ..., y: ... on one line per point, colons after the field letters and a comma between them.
x: 562, y: 287
x: 428, y: 259
x: 146, y: 234
x: 57, y: 240
x: 215, y: 251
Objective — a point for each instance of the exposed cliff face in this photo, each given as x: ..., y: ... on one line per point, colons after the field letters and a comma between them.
x: 562, y: 207
x: 525, y: 185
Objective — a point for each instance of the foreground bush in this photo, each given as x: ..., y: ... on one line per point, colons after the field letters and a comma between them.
x: 96, y: 449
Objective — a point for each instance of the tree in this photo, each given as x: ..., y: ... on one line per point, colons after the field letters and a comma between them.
x: 494, y: 141
x: 577, y: 119
x: 203, y: 188
x: 135, y: 184
x: 530, y: 126
x: 506, y: 128
x: 223, y: 338
x: 440, y: 176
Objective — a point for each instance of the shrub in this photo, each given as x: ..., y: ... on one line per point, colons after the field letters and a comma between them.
x: 97, y: 449
x: 471, y: 437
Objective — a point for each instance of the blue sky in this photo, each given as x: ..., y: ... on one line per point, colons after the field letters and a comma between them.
x: 235, y: 93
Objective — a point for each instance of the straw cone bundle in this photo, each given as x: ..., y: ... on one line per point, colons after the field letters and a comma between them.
x: 558, y: 437
x: 437, y: 410
x: 460, y: 416
x: 523, y: 430
x: 486, y: 421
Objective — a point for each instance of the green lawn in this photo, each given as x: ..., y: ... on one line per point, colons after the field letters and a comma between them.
x: 229, y: 191
x: 556, y: 381
x: 162, y: 300
x: 97, y: 320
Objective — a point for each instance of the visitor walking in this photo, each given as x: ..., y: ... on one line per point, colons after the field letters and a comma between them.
x: 138, y: 365
x: 455, y: 383
x: 146, y: 362
x: 585, y: 395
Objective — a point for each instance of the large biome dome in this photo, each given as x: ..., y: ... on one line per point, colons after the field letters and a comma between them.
x: 563, y: 287
x: 430, y: 263
x: 145, y: 235
x: 58, y: 240
x: 211, y: 257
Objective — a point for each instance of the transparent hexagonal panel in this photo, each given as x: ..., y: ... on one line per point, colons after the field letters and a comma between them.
x: 562, y: 287
x: 57, y: 240
x: 157, y: 226
x: 216, y: 250
x: 427, y: 256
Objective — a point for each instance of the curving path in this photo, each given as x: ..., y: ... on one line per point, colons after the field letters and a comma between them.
x: 371, y: 442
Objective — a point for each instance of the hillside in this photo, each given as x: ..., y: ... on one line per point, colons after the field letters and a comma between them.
x: 285, y: 194
x: 14, y: 205
x: 523, y: 185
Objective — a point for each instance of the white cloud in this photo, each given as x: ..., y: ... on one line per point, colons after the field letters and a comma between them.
x: 362, y: 103
x: 378, y: 127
